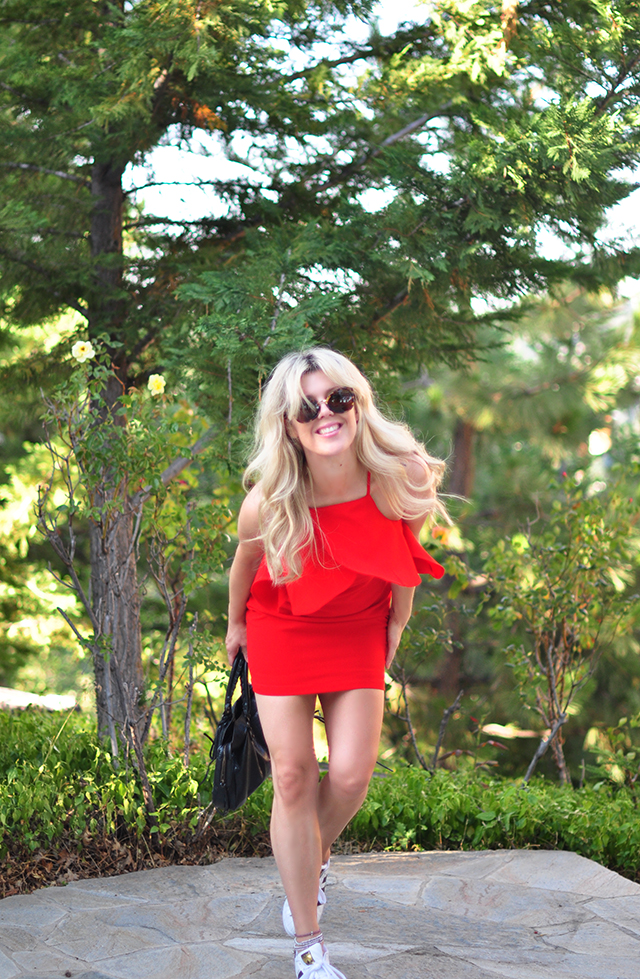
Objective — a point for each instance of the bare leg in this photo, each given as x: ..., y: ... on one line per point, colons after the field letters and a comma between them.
x: 307, y: 818
x: 353, y: 719
x: 287, y: 723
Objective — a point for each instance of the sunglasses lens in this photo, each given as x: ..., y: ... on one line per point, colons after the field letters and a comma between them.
x: 308, y: 411
x: 339, y: 401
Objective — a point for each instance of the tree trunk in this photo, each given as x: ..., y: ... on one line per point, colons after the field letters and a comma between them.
x: 461, y: 479
x: 106, y: 304
x: 463, y: 468
x: 448, y: 680
x: 558, y: 755
x: 114, y: 586
x: 116, y: 605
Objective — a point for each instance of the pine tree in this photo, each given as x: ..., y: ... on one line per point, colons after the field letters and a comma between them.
x: 479, y: 126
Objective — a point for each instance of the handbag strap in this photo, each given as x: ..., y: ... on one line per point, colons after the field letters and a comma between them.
x: 238, y: 672
x: 244, y: 684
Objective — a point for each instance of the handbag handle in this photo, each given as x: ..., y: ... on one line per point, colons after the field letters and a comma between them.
x: 239, y: 671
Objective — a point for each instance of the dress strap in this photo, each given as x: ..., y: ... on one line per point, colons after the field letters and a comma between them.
x: 368, y: 484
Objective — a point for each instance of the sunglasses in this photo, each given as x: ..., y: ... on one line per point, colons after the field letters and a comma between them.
x: 339, y: 401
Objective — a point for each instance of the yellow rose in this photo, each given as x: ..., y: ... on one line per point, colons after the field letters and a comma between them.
x: 156, y: 384
x: 82, y: 350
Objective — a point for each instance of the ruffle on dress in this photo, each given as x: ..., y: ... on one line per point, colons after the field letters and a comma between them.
x: 353, y: 540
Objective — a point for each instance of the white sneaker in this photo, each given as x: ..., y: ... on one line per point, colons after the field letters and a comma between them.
x: 287, y: 917
x: 314, y: 962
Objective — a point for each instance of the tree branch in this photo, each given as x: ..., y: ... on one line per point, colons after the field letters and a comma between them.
x: 385, y: 45
x: 147, y: 792
x: 531, y: 392
x: 276, y: 312
x: 174, y: 183
x: 48, y: 274
x: 176, y: 467
x: 148, y: 220
x: 551, y: 676
x: 412, y: 127
x: 623, y: 74
x: 542, y: 747
x: 360, y: 54
x: 443, y: 727
x: 51, y: 173
x: 187, y: 720
x: 400, y: 675
x: 391, y: 306
x: 143, y: 343
x: 79, y: 637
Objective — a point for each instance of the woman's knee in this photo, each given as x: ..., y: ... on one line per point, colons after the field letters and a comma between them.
x: 295, y: 782
x: 350, y: 782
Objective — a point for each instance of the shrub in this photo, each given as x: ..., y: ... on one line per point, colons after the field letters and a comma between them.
x: 58, y: 784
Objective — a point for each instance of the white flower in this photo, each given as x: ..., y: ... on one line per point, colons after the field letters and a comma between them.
x: 156, y: 384
x: 82, y: 350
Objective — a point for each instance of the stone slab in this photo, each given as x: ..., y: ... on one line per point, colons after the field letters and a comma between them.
x: 73, y: 897
x: 31, y: 912
x: 548, y: 964
x: 488, y: 900
x: 15, y: 939
x: 605, y: 936
x: 560, y: 870
x: 208, y: 961
x: 42, y: 960
x: 401, y: 890
x: 624, y: 911
x: 485, y: 915
x: 8, y: 968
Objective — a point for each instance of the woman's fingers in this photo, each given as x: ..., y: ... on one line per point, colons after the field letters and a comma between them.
x: 235, y: 640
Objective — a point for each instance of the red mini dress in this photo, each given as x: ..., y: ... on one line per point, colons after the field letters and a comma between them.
x: 327, y: 630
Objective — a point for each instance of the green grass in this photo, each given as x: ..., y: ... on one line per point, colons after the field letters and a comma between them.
x: 58, y: 784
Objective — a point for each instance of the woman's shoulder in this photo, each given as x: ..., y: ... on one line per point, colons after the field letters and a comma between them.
x: 409, y: 468
x: 412, y: 479
x: 417, y: 470
x: 249, y: 516
x: 254, y: 495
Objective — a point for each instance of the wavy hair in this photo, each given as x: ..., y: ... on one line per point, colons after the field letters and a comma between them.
x: 382, y: 446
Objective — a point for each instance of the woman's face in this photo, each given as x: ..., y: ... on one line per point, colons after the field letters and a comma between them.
x: 328, y: 434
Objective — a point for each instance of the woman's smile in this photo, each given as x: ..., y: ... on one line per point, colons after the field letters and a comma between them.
x: 329, y: 433
x: 328, y: 429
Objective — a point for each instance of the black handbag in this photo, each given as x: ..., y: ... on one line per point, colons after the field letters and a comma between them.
x: 239, y: 750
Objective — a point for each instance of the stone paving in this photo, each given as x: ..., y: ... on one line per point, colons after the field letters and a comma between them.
x: 511, y: 913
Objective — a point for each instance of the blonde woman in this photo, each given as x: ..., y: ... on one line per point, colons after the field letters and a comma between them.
x: 320, y: 590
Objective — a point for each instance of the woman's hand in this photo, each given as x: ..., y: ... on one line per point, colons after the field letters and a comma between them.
x: 235, y: 640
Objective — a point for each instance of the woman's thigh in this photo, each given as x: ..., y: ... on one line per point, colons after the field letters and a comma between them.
x: 287, y: 723
x: 353, y: 719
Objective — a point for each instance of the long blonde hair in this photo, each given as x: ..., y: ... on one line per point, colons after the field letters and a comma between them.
x: 382, y: 446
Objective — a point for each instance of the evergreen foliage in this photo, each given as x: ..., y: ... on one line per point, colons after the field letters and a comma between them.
x: 476, y: 131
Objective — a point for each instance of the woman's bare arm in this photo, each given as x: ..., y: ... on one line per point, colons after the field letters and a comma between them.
x: 402, y: 596
x: 399, y: 615
x: 243, y: 570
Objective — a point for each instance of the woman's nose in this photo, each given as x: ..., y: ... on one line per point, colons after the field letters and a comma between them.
x: 324, y: 408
